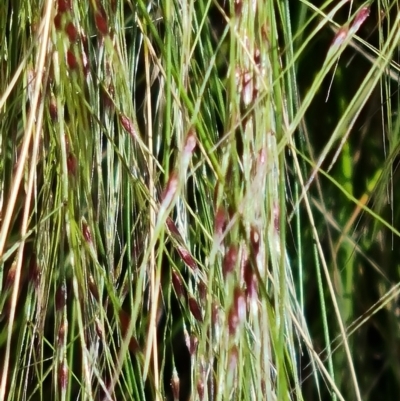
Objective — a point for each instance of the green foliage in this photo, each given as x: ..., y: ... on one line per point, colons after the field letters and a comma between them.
x: 198, y: 200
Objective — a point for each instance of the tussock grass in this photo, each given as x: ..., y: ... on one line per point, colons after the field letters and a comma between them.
x: 198, y: 200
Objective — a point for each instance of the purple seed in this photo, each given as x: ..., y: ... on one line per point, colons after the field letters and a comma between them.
x: 237, y: 312
x: 361, y: 16
x: 200, y: 389
x: 71, y: 31
x: 61, y: 297
x: 71, y: 60
x: 230, y: 260
x: 71, y: 164
x: 220, y: 221
x: 57, y: 21
x: 63, y: 376
x: 62, y: 331
x: 10, y: 276
x: 101, y: 23
x: 202, y: 291
x: 177, y: 284
x: 128, y: 125
x: 64, y: 5
x: 53, y: 109
x: 186, y: 257
x: 93, y: 288
x: 195, y: 309
x: 170, y: 189
x: 233, y: 359
x: 190, y: 142
x: 175, y: 385
x: 86, y: 233
x: 250, y: 278
x: 172, y: 227
x: 238, y: 5
x: 194, y: 342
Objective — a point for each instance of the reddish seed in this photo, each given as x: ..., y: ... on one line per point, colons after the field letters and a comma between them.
x: 361, y: 16
x: 187, y: 339
x: 93, y: 288
x: 172, y: 227
x: 195, y: 309
x: 186, y: 257
x: 255, y: 240
x: 233, y: 359
x: 175, y: 385
x: 257, y: 56
x: 238, y: 5
x: 10, y: 276
x: 124, y: 320
x: 202, y: 291
x: 263, y: 386
x: 134, y: 345
x: 61, y: 297
x: 127, y: 125
x: 230, y: 260
x: 190, y: 143
x: 71, y: 164
x: 53, y: 109
x: 250, y: 278
x: 237, y: 312
x: 240, y: 304
x: 99, y: 330
x: 63, y: 376
x: 340, y: 37
x: 71, y: 60
x: 233, y: 321
x: 170, y: 189
x: 61, y: 333
x: 101, y: 23
x: 86, y: 233
x: 200, y: 389
x: 64, y: 5
x: 194, y: 342
x: 220, y: 221
x: 177, y: 283
x: 71, y: 32
x: 57, y: 21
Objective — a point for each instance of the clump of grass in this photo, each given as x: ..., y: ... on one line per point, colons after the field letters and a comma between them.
x: 159, y: 219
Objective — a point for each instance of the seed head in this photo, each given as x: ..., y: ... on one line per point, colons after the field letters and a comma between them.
x: 230, y: 260
x: 186, y: 257
x: 195, y: 309
x: 175, y: 385
x: 63, y: 376
x: 61, y: 296
x: 101, y: 23
x: 177, y: 283
x: 71, y: 32
x: 64, y: 6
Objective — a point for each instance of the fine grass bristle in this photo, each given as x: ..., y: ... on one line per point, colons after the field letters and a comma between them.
x: 198, y: 200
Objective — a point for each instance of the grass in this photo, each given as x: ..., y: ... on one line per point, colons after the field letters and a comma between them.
x: 198, y: 200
